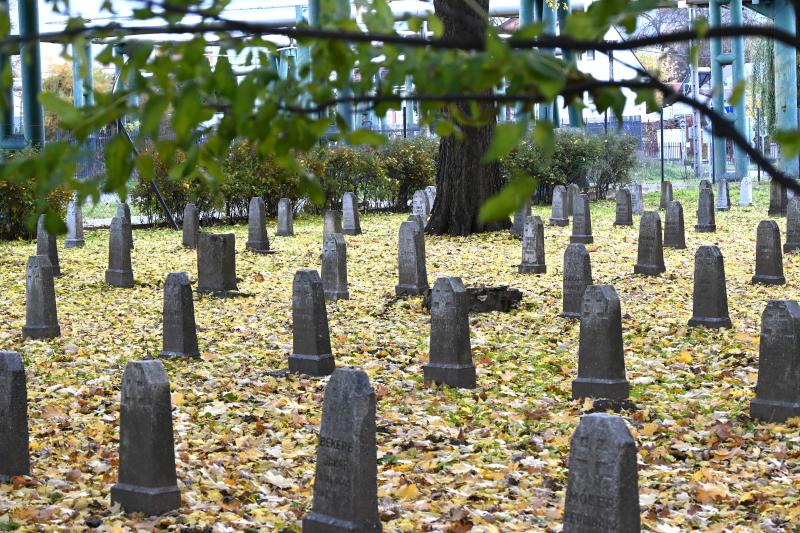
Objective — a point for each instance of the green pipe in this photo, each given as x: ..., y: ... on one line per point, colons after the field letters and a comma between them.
x: 741, y: 159
x: 786, y: 78
x: 313, y: 13
x: 549, y: 19
x: 7, y: 96
x: 717, y: 87
x: 88, y: 81
x: 575, y: 116
x: 30, y: 52
x: 525, y: 12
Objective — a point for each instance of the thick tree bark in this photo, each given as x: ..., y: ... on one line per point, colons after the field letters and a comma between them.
x: 463, y: 184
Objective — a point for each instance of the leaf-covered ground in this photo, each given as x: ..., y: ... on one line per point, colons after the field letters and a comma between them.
x: 492, y: 459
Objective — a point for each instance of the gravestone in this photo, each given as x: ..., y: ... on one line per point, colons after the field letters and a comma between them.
x: 778, y: 388
x: 637, y: 198
x: 418, y: 220
x: 723, y: 195
x: 705, y: 184
x: 216, y: 262
x: 601, y: 360
x: 124, y: 212
x: 331, y: 222
x: 180, y: 330
x: 430, y: 192
x: 558, y: 216
x: 710, y: 298
x: 285, y: 218
x: 746, y: 192
x: 706, y: 222
x: 311, y: 344
x: 624, y: 208
x: 520, y: 215
x: 147, y: 481
x: 533, y: 260
x: 119, y: 272
x: 191, y: 226
x: 413, y: 273
x: 351, y: 224
x: 450, y: 349
x: 581, y: 221
x: 41, y: 315
x: 777, y: 199
x: 74, y: 225
x: 769, y: 259
x: 603, y: 482
x: 577, y: 276
x: 346, y: 480
x: 46, y: 244
x: 573, y: 191
x: 674, y: 233
x: 334, y: 267
x: 420, y: 205
x: 14, y: 454
x: 666, y: 194
x: 650, y: 257
x: 257, y: 238
x: 792, y: 226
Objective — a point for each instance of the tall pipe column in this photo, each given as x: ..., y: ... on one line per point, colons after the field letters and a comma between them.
x: 575, y: 116
x: 717, y: 87
x: 786, y: 78
x: 7, y: 96
x: 31, y: 65
x: 526, y: 17
x: 741, y: 159
x: 549, y: 111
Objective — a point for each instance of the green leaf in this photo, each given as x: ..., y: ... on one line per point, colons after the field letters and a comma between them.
x: 65, y: 110
x: 367, y: 137
x: 789, y: 141
x: 513, y: 195
x: 738, y: 92
x: 544, y: 136
x: 505, y: 138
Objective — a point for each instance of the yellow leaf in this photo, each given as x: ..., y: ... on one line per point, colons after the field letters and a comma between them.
x: 685, y: 357
x: 407, y: 492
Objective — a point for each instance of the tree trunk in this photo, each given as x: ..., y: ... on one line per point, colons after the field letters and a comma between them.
x: 463, y: 184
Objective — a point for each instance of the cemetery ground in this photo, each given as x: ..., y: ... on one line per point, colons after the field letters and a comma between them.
x: 489, y: 459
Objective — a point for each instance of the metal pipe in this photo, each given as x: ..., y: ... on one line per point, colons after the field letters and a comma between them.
x: 717, y: 86
x: 30, y: 52
x: 740, y: 157
x: 785, y: 78
x: 662, y: 144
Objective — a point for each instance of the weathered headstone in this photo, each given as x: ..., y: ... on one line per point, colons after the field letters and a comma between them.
x: 769, y: 259
x: 746, y: 192
x: 450, y: 349
x: 334, y: 267
x: 637, y: 198
x: 705, y: 184
x: 191, y: 226
x: 778, y: 388
x: 792, y: 226
x: 710, y: 298
x: 723, y: 195
x: 420, y: 205
x: 520, y: 215
x: 41, y: 315
x: 558, y: 215
x: 577, y: 276
x: 46, y: 244
x: 603, y: 483
x: 419, y: 221
x: 666, y: 194
x: 180, y: 330
x: 413, y: 273
x: 311, y: 344
x: 124, y: 212
x: 216, y: 262
x: 624, y: 208
x: 14, y: 454
x: 74, y: 225
x: 706, y: 222
x: 650, y: 257
x: 777, y: 199
x: 573, y: 191
x: 346, y: 481
x: 285, y: 218
x: 351, y: 224
x: 430, y: 191
x: 581, y: 221
x: 601, y: 360
x: 674, y: 233
x: 533, y: 260
x: 119, y: 272
x: 147, y: 481
x: 331, y: 222
x: 257, y: 237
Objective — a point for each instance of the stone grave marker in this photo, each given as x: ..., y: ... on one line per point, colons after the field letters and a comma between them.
x: 124, y: 212
x: 650, y: 257
x: 257, y: 237
x: 601, y: 359
x: 577, y: 276
x: 792, y: 226
x: 746, y: 192
x: 430, y: 192
x: 419, y: 221
x: 674, y: 233
x: 450, y: 349
x: 346, y: 480
x: 334, y: 267
x: 285, y: 218
x: 14, y: 454
x: 666, y: 194
x: 533, y: 260
x: 41, y: 316
x: 180, y: 330
x: 147, y: 481
x: 74, y: 225
x: 581, y: 221
x: 46, y: 244
x: 311, y: 344
x: 520, y: 215
x: 331, y: 223
x: 705, y: 184
x: 573, y: 191
x: 413, y: 273
x: 558, y: 215
x: 216, y: 262
x: 769, y: 259
x: 723, y: 195
x: 420, y: 205
x: 119, y: 272
x: 706, y: 222
x: 710, y: 298
x: 624, y: 208
x: 191, y: 226
x: 777, y: 199
x: 637, y: 198
x: 351, y: 224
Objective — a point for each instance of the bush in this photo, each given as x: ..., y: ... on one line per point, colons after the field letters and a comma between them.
x: 342, y: 169
x: 18, y: 205
x: 410, y: 166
